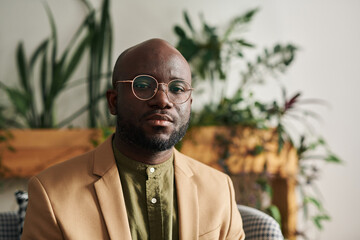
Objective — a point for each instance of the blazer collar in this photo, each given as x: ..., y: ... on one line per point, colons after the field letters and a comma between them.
x: 109, y: 192
x: 187, y: 198
x: 104, y: 158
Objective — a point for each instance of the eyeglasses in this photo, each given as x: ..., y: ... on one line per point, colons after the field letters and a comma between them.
x: 145, y: 87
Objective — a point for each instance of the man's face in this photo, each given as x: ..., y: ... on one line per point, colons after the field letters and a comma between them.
x: 156, y: 124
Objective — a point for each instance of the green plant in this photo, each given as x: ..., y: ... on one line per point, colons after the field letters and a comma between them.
x: 211, y: 52
x: 55, y: 72
x: 99, y: 28
x: 100, y: 64
x: 311, y: 150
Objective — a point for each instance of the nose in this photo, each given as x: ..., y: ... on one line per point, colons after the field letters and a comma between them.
x: 161, y: 100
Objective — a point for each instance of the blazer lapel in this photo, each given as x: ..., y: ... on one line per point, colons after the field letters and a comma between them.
x: 109, y: 192
x: 188, y: 207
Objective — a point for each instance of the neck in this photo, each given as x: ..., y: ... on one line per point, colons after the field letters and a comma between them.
x: 142, y: 155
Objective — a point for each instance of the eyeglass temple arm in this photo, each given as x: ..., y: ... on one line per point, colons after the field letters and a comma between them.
x: 122, y: 81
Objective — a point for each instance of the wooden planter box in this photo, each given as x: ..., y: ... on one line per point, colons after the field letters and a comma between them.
x: 36, y: 150
x: 233, y: 150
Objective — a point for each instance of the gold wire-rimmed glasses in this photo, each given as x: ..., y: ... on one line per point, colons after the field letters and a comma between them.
x: 145, y: 87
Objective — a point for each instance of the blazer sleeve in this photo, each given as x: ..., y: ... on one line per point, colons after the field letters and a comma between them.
x: 236, y: 226
x: 40, y: 220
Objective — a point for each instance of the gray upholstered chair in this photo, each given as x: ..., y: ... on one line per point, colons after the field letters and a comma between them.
x: 11, y: 223
x: 258, y: 225
x: 9, y: 226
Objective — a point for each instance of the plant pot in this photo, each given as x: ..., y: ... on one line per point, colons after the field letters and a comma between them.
x: 38, y: 149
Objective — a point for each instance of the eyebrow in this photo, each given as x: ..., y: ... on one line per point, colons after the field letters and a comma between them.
x: 177, y: 78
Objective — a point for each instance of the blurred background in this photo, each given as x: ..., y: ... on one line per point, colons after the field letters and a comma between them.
x: 327, y: 67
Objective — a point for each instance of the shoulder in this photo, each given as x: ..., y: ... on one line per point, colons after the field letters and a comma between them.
x: 84, y: 168
x: 77, y: 170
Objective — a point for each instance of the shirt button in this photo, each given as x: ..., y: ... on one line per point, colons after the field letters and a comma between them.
x: 153, y: 200
x: 152, y: 170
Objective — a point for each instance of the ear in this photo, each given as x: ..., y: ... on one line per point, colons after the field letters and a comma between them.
x: 111, y: 96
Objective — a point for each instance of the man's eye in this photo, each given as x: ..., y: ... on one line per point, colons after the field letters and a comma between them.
x: 142, y: 85
x: 177, y: 89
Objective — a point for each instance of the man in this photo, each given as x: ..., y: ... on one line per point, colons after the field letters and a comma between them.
x: 136, y: 185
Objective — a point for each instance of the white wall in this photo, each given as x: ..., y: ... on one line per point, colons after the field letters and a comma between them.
x: 327, y: 67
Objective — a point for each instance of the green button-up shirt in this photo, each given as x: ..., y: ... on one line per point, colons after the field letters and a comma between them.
x: 150, y: 198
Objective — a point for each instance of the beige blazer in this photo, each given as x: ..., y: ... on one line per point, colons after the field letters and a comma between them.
x: 82, y: 199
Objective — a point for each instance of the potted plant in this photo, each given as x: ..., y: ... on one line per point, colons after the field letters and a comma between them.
x: 39, y: 122
x: 245, y: 137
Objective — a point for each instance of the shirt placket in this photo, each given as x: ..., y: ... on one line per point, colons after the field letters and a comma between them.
x: 153, y: 201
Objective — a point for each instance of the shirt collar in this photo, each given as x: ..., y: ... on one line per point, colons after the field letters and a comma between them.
x: 141, y: 168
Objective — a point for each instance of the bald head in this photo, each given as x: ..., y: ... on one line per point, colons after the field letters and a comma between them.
x: 150, y: 57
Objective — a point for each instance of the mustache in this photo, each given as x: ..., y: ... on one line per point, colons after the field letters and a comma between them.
x: 157, y: 111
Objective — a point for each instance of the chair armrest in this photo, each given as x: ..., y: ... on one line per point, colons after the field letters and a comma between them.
x: 258, y: 225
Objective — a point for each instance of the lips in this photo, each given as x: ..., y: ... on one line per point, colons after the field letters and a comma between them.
x: 158, y: 119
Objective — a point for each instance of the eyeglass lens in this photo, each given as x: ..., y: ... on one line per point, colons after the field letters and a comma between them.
x: 145, y: 87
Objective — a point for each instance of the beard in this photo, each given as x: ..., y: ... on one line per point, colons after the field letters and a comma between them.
x: 133, y: 135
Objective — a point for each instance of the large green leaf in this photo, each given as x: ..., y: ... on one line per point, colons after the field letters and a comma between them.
x: 275, y: 213
x: 44, y: 78
x: 88, y: 5
x: 22, y: 67
x: 313, y: 201
x: 332, y: 158
x: 188, y: 21
x: 179, y: 31
x: 20, y: 100
x: 318, y: 219
x: 245, y: 43
x: 53, y: 34
x: 188, y: 48
x: 242, y: 19
x: 75, y: 59
x: 41, y: 48
x: 77, y: 35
